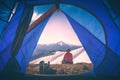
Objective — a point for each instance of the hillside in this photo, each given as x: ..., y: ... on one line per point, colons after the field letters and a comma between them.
x: 78, y: 68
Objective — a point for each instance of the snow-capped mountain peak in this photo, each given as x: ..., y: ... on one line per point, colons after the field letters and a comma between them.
x: 61, y: 43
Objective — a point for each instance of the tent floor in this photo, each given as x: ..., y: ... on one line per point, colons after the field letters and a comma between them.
x: 20, y: 76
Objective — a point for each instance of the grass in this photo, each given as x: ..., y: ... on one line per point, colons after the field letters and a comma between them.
x: 78, y: 68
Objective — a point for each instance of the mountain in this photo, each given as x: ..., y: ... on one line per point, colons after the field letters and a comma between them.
x: 79, y: 55
x: 42, y: 50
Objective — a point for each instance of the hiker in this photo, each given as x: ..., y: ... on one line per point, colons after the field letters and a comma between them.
x: 68, y: 58
x: 46, y: 69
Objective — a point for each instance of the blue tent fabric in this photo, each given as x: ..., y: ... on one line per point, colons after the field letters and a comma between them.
x: 97, y: 53
x: 22, y: 28
x: 12, y: 66
x: 5, y: 44
x: 29, y: 44
x: 38, y: 2
x: 6, y: 8
x: 112, y: 8
x: 3, y: 27
x: 110, y: 64
x: 105, y: 57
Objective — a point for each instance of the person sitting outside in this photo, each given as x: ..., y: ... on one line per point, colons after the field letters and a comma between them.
x: 68, y: 57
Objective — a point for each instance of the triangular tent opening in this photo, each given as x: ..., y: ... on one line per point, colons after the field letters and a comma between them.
x: 57, y: 36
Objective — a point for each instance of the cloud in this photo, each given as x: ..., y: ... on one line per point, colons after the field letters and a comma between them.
x: 35, y: 16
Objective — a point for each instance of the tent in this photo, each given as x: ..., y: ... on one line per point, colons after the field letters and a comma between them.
x: 96, y: 23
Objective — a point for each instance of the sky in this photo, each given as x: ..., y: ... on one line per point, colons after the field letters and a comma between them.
x: 57, y: 29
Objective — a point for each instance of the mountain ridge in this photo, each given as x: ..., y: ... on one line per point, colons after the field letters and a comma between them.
x: 42, y: 50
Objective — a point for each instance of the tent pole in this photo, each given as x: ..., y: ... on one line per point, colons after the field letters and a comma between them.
x: 50, y: 11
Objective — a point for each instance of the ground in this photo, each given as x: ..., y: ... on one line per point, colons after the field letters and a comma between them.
x: 78, y: 68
